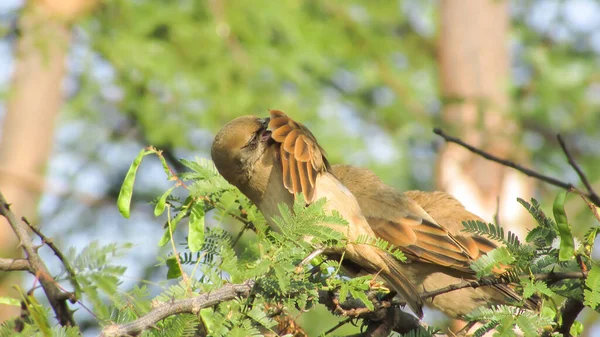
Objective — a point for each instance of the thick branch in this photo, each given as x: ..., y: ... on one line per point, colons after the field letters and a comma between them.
x: 37, y: 267
x: 569, y: 312
x: 189, y: 305
x: 550, y: 180
x: 14, y: 264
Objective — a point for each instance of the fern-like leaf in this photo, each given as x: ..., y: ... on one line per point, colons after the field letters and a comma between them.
x: 592, y: 293
x: 381, y: 244
x: 494, y: 259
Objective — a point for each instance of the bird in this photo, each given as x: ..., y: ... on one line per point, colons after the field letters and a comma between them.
x: 426, y: 227
x: 272, y: 160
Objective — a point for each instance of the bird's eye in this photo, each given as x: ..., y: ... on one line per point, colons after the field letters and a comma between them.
x: 253, y: 141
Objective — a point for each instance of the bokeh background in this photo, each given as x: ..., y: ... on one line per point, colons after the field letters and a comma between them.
x: 85, y: 84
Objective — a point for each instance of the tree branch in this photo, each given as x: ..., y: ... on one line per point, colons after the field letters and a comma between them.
x: 569, y: 312
x: 550, y: 180
x: 592, y: 195
x: 188, y: 305
x: 489, y: 281
x: 58, y: 253
x: 14, y: 264
x: 384, y: 318
x: 53, y: 293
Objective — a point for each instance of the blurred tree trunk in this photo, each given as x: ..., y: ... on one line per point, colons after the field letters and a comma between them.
x: 474, y: 70
x: 32, y: 106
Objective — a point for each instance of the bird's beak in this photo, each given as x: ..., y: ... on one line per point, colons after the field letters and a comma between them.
x: 265, y: 134
x: 265, y: 122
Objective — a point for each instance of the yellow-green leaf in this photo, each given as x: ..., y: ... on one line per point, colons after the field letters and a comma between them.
x: 124, y: 199
x: 160, y: 204
x: 196, y: 228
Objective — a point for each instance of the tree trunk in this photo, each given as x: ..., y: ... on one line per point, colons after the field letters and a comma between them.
x: 32, y: 107
x: 474, y: 76
x: 474, y: 69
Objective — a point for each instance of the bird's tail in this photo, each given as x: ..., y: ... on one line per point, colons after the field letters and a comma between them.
x: 402, y: 285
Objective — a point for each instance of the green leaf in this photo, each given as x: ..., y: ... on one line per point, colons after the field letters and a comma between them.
x: 486, y: 263
x: 196, y: 228
x: 207, y: 317
x: 590, y: 238
x: 525, y: 324
x: 592, y: 294
x: 282, y: 278
x: 530, y: 288
x: 576, y: 328
x: 344, y: 292
x: 173, y: 268
x: 124, y: 199
x: 363, y: 298
x: 10, y: 301
x: 567, y: 244
x: 161, y: 203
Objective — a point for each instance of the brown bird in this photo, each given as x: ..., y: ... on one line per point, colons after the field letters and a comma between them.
x: 272, y: 160
x: 426, y: 227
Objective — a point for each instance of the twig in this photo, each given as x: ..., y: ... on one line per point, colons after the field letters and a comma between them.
x: 14, y: 264
x: 337, y: 326
x: 189, y: 305
x: 590, y: 204
x: 591, y: 193
x: 497, y: 214
x: 529, y: 172
x: 311, y: 256
x: 239, y: 236
x: 286, y: 324
x: 489, y: 281
x: 53, y: 293
x: 384, y: 318
x: 175, y: 254
x: 49, y: 242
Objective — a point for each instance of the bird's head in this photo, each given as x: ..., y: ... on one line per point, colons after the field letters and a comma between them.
x: 239, y: 145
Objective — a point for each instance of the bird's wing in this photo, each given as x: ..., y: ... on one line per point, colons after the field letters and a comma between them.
x: 450, y: 213
x: 301, y: 157
x: 423, y: 240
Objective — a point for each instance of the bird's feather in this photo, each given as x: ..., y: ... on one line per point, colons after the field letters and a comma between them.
x: 301, y: 156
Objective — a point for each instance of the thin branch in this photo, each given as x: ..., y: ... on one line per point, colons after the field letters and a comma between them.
x: 311, y: 256
x: 592, y: 194
x: 14, y: 264
x: 189, y: 305
x: 38, y: 267
x: 50, y: 243
x: 527, y: 171
x: 590, y: 204
x: 489, y: 281
x: 384, y: 318
x: 337, y: 326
